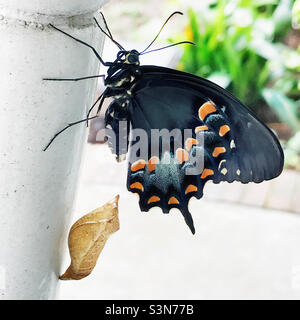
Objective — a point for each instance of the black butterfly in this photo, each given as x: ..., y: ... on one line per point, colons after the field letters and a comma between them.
x: 235, y: 145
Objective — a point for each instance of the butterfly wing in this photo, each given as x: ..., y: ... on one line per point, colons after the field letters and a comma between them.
x: 235, y: 145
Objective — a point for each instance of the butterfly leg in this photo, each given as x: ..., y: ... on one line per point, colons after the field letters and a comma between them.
x: 75, y: 79
x: 84, y: 43
x: 102, y: 98
x: 65, y: 128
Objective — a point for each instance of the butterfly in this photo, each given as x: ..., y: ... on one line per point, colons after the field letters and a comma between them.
x: 228, y: 140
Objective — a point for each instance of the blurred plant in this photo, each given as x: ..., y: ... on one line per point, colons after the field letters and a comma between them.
x: 292, y: 152
x: 222, y: 55
x: 287, y: 109
x: 239, y: 46
x: 284, y: 94
x: 296, y: 14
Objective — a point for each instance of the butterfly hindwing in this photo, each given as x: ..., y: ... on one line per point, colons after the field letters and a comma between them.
x: 235, y: 145
x: 258, y: 150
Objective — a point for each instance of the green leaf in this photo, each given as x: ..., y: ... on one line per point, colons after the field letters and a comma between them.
x: 292, y: 59
x: 285, y: 108
x: 282, y: 16
x: 294, y: 143
x: 259, y: 3
x: 266, y: 49
x: 296, y: 13
x: 291, y: 158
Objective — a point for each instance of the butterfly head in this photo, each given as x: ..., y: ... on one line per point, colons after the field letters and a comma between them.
x: 126, y: 61
x: 128, y: 57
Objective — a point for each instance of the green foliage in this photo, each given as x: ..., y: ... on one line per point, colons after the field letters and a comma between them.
x: 286, y: 108
x: 239, y: 46
x: 296, y: 13
x: 292, y: 152
x: 222, y: 50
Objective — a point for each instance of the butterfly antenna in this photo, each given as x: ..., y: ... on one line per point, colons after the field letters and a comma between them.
x: 109, y: 35
x: 169, y: 46
x: 173, y: 14
x: 106, y: 25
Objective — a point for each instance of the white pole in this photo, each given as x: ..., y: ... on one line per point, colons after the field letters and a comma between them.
x: 37, y: 188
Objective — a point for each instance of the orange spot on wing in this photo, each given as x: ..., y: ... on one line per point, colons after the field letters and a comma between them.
x: 152, y: 163
x: 189, y: 143
x: 206, y: 173
x: 201, y: 128
x: 182, y: 155
x: 138, y: 165
x: 191, y: 188
x: 206, y: 109
x: 223, y: 130
x: 153, y: 199
x: 137, y: 185
x: 173, y: 200
x: 218, y: 151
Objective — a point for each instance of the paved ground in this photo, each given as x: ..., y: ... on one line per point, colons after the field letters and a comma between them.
x: 238, y: 251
